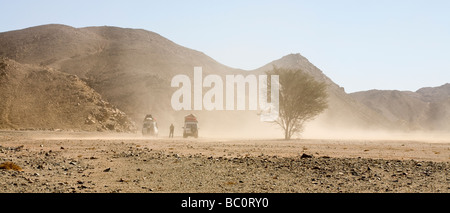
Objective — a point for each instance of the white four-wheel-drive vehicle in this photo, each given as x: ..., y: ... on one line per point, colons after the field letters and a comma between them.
x: 150, y: 127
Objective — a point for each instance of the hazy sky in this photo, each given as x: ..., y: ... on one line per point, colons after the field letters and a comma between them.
x: 360, y: 44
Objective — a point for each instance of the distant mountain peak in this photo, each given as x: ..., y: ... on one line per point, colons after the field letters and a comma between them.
x: 293, y: 59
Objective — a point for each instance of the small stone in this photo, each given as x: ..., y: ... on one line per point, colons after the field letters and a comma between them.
x: 305, y: 156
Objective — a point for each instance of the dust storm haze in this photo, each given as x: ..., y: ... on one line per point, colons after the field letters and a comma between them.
x: 130, y: 72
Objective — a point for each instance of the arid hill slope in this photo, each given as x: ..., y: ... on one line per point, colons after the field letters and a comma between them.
x: 36, y: 97
x: 131, y: 68
x: 426, y: 109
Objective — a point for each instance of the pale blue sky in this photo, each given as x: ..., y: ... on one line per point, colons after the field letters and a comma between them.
x: 359, y: 44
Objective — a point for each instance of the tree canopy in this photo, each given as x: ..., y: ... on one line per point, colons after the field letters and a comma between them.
x: 301, y: 99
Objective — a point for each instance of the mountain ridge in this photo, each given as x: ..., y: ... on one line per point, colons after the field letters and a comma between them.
x: 132, y: 69
x: 426, y: 109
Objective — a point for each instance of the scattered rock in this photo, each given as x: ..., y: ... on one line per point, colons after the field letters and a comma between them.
x: 140, y: 169
x: 305, y: 156
x: 19, y: 148
x: 123, y: 180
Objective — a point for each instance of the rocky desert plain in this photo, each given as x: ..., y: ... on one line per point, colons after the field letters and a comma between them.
x: 80, y: 162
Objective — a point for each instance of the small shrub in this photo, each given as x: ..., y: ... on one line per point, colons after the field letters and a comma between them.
x: 10, y: 166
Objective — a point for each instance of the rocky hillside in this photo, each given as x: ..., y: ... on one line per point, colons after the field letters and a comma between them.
x: 130, y: 68
x: 426, y: 109
x: 40, y: 98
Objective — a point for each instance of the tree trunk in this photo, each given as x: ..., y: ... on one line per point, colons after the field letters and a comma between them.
x: 287, y: 136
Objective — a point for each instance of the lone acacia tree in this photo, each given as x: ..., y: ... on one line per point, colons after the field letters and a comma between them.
x: 301, y: 99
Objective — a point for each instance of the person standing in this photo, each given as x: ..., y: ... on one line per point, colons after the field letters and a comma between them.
x: 171, y: 131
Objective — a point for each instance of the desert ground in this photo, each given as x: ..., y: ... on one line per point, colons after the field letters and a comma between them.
x: 80, y: 162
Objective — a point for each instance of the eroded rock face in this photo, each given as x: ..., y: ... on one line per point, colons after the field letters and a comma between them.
x: 41, y: 98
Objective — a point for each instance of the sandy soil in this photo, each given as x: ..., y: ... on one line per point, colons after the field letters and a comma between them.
x: 86, y: 162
